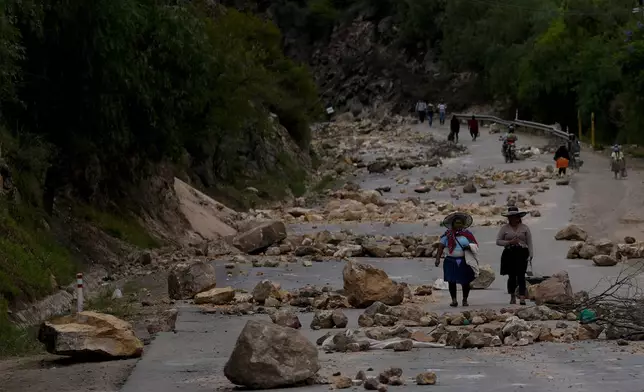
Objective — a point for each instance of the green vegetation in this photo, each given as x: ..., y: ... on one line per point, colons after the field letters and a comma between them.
x: 120, y: 226
x: 548, y: 58
x: 15, y: 341
x: 94, y: 95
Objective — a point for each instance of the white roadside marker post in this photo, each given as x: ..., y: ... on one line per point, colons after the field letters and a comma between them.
x: 79, y: 292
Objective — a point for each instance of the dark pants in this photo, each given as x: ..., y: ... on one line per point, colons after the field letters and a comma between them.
x: 442, y: 117
x: 421, y: 115
x: 466, y: 290
x: 514, y: 264
x: 430, y: 118
x: 562, y: 170
x: 515, y: 281
x: 474, y: 133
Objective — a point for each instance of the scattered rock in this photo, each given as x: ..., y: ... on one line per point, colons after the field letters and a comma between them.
x: 571, y: 233
x: 469, y: 188
x: 554, y: 290
x: 404, y: 345
x: 371, y: 384
x: 260, y: 237
x: 630, y: 240
x: 485, y: 279
x: 89, y: 335
x: 604, y: 260
x: 216, y: 296
x: 342, y: 382
x: 264, y: 290
x: 340, y: 320
x: 186, y: 280
x: 271, y: 356
x: 426, y: 378
x: 286, y: 318
x: 365, y: 284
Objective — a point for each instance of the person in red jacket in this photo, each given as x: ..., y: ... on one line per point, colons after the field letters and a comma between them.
x: 474, y: 127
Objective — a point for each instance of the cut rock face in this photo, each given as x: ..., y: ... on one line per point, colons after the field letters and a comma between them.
x: 365, y: 284
x: 261, y: 237
x: 271, y: 356
x: 90, y: 335
x: 186, y: 280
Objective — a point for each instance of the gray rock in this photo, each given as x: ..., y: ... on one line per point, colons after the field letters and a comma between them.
x: 187, y: 280
x: 271, y: 356
x: 260, y: 237
x: 286, y: 318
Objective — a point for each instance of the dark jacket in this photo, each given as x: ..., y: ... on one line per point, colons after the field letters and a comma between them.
x: 454, y: 125
x: 562, y: 152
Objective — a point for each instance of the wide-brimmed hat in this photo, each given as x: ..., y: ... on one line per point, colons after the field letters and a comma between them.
x: 463, y: 216
x: 514, y: 211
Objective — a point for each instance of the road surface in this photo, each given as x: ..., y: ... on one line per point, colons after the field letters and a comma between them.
x: 192, y: 359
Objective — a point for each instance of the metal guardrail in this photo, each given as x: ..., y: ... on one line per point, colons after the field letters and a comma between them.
x: 550, y: 129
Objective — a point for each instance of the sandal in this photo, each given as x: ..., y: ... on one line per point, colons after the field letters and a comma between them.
x: 454, y: 303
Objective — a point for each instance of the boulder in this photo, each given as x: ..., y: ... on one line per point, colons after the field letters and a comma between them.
x: 378, y: 166
x: 216, y: 296
x: 271, y: 356
x: 469, y: 188
x: 589, y: 331
x: 514, y: 325
x: 554, y: 290
x: 485, y: 279
x: 260, y: 237
x: 426, y: 378
x: 164, y: 322
x: 573, y: 252
x: 365, y: 284
x: 187, y: 280
x: 604, y: 246
x: 90, y: 335
x: 604, y: 260
x: 286, y: 318
x: 264, y: 290
x: 571, y: 233
x: 587, y: 251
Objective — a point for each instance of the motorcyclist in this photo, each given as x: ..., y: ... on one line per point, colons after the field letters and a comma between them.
x: 508, y: 137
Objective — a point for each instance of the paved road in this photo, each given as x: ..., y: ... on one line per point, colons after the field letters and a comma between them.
x: 192, y: 360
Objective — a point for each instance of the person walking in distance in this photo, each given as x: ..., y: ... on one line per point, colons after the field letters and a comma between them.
x: 516, y: 240
x: 441, y: 112
x: 454, y: 127
x: 421, y: 109
x: 430, y: 114
x: 473, y: 124
x: 457, y: 240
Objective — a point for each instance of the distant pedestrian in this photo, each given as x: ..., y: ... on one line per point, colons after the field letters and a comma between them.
x: 441, y: 112
x: 421, y: 109
x: 454, y: 127
x: 430, y: 114
x: 516, y: 239
x: 458, y: 241
x: 473, y: 124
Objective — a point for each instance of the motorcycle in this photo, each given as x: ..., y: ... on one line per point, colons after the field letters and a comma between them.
x: 509, y: 150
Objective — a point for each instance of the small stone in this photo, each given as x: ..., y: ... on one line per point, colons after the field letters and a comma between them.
x: 371, y: 384
x: 404, y: 345
x: 382, y: 388
x: 340, y: 320
x: 396, y: 381
x: 622, y: 342
x: 630, y: 240
x: 342, y: 382
x: 426, y: 378
x: 361, y: 375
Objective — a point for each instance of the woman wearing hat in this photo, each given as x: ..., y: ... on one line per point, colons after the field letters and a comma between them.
x: 457, y: 240
x: 516, y: 238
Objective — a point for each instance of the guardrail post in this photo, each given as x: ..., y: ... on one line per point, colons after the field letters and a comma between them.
x: 579, y: 123
x: 516, y: 114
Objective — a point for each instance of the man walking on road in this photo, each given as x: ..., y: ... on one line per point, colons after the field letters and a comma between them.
x: 421, y: 109
x: 441, y: 112
x: 474, y: 127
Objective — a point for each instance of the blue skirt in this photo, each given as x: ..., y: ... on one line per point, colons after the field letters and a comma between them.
x: 456, y: 270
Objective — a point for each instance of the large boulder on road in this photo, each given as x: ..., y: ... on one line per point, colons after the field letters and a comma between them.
x: 186, y: 280
x: 271, y: 356
x: 90, y: 335
x: 554, y: 290
x: 571, y: 233
x: 365, y: 284
x: 261, y: 237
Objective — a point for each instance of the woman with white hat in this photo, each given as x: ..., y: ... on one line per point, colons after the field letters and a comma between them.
x: 457, y: 239
x: 516, y: 238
